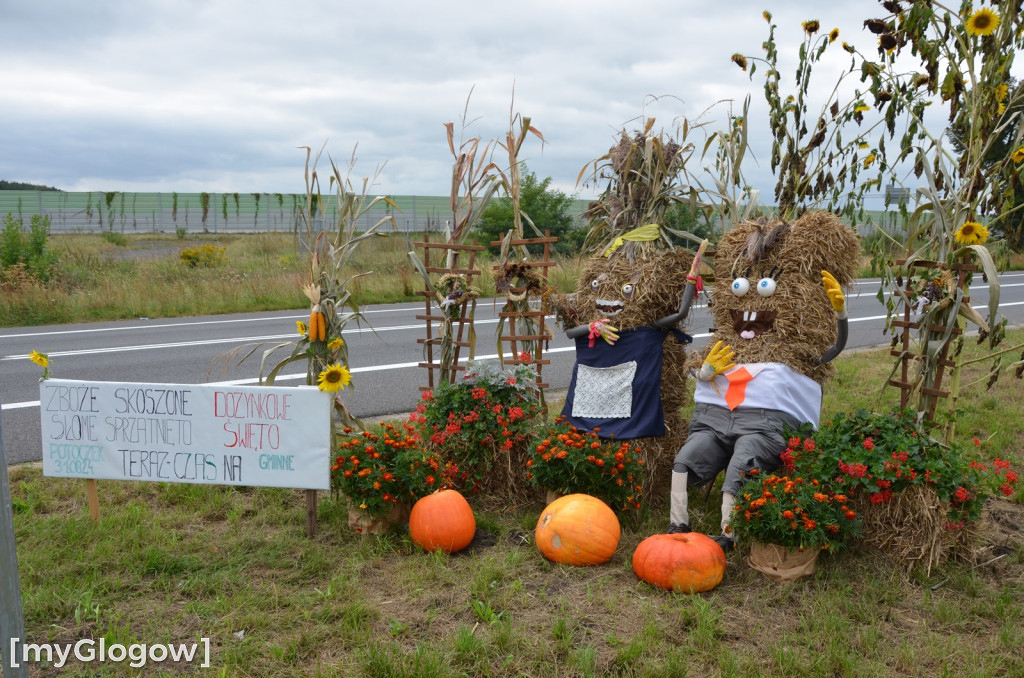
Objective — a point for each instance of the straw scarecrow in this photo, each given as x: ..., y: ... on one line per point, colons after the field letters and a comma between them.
x: 629, y: 380
x: 780, y: 314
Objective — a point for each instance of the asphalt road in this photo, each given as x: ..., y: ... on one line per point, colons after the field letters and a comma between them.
x: 383, y: 354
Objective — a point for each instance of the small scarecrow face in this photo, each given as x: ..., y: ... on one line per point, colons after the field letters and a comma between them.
x: 769, y: 304
x: 632, y: 292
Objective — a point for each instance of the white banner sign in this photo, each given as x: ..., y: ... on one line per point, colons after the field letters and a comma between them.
x: 258, y: 436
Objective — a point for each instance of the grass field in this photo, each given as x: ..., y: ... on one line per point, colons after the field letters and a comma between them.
x: 174, y: 563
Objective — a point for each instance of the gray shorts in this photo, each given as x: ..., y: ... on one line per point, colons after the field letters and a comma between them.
x: 735, y: 441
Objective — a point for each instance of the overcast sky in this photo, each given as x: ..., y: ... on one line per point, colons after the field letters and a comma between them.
x: 185, y: 95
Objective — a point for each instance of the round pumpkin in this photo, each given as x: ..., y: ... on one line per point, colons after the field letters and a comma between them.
x: 578, y: 529
x: 442, y: 521
x: 690, y: 562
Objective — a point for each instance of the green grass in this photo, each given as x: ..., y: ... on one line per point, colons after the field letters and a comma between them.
x: 172, y: 563
x: 103, y: 278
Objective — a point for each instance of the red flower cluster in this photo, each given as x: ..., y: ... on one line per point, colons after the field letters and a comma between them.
x: 569, y: 460
x: 386, y: 465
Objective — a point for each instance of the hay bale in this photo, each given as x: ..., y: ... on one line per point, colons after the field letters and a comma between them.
x: 911, y: 529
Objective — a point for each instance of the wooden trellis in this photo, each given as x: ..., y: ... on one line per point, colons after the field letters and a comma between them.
x: 935, y: 331
x: 464, y: 323
x: 511, y: 315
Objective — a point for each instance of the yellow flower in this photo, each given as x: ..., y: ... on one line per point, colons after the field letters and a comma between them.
x: 982, y: 22
x: 868, y: 160
x: 972, y: 233
x: 862, y: 144
x: 861, y: 108
x: 1002, y: 109
x: 335, y: 344
x: 1018, y: 155
x: 300, y: 327
x: 740, y: 60
x: 333, y: 378
x: 848, y: 47
x: 1001, y: 91
x: 811, y: 26
x: 833, y: 34
x: 767, y: 16
x: 40, y: 359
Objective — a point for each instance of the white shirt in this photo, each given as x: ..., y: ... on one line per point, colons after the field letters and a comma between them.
x: 773, y: 386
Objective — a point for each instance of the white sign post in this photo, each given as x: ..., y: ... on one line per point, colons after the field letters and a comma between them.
x: 257, y: 436
x: 12, y: 623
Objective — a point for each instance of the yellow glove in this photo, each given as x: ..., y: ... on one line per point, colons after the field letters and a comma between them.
x: 601, y: 328
x: 717, y: 362
x: 835, y: 293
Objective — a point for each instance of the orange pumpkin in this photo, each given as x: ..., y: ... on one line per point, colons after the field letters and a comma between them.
x: 442, y: 521
x: 578, y: 529
x: 690, y: 562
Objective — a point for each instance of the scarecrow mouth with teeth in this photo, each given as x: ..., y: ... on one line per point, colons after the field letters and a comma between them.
x: 750, y: 324
x: 609, y: 307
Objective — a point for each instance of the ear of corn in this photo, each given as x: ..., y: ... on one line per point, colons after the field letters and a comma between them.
x: 317, y: 325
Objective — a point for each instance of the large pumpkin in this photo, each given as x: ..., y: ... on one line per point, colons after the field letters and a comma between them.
x: 578, y: 530
x: 690, y: 562
x: 442, y: 521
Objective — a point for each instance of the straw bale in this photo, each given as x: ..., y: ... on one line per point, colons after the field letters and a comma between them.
x: 804, y: 326
x: 911, y: 529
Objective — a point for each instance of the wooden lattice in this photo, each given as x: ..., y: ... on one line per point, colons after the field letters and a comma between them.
x: 936, y: 331
x: 433, y: 320
x: 511, y: 314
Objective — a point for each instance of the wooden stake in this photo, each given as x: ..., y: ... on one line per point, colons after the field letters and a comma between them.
x: 94, y: 499
x: 310, y: 513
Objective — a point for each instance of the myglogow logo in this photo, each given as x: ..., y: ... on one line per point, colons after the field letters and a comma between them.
x: 89, y: 651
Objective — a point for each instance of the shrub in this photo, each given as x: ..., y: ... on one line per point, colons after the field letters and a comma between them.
x: 482, y: 424
x: 567, y: 460
x: 31, y: 252
x: 205, y: 256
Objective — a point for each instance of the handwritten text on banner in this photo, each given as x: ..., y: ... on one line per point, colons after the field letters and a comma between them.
x: 186, y: 433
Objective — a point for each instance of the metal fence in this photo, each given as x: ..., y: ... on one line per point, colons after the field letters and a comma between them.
x: 85, y: 212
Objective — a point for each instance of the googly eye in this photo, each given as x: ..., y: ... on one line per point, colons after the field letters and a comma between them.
x: 627, y: 290
x: 766, y: 287
x: 594, y: 284
x: 740, y: 286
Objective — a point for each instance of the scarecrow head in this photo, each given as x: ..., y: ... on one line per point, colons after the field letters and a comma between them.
x: 768, y: 302
x: 630, y: 290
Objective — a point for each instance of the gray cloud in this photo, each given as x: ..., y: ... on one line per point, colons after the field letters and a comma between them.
x: 160, y: 96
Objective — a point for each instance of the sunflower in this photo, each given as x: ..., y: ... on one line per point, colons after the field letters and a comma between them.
x: 1018, y: 155
x: 833, y: 34
x: 848, y: 47
x: 811, y: 27
x: 40, y: 359
x: 972, y: 233
x: 1001, y: 92
x: 335, y: 344
x: 300, y: 327
x: 861, y: 108
x: 767, y: 16
x: 739, y: 60
x: 983, y: 22
x: 868, y: 160
x: 333, y: 378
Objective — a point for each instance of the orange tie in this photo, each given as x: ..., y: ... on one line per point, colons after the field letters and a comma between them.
x: 737, y: 390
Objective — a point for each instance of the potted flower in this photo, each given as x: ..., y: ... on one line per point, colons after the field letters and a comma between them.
x: 481, y: 424
x: 567, y: 460
x: 383, y: 471
x: 789, y: 520
x: 877, y: 458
